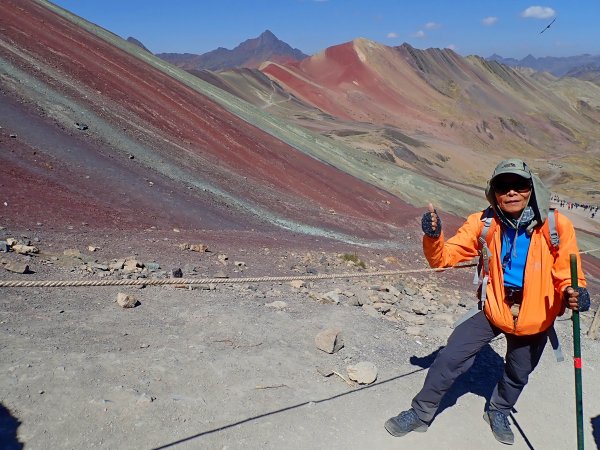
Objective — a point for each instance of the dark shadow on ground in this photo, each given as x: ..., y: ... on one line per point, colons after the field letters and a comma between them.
x: 596, y: 430
x: 480, y: 379
x: 8, y: 430
x: 288, y: 408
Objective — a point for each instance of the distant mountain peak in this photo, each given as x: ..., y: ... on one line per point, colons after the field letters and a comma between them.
x: 249, y: 54
x: 138, y: 43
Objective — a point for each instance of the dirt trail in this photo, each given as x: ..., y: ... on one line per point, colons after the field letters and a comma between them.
x: 225, y: 368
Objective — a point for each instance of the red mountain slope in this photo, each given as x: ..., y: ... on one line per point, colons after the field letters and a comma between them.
x: 154, y: 151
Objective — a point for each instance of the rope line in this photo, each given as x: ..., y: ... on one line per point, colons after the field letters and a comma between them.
x: 190, y: 281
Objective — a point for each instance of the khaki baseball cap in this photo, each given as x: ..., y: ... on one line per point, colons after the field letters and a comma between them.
x: 512, y: 166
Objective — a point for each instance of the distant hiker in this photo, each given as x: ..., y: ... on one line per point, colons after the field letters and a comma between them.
x: 526, y: 285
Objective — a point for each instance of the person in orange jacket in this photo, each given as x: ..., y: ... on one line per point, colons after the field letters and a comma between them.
x: 527, y: 286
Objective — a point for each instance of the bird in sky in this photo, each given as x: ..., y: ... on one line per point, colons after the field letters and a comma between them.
x: 548, y: 26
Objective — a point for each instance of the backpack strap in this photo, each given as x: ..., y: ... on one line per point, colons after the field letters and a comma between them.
x: 483, y: 267
x: 550, y: 231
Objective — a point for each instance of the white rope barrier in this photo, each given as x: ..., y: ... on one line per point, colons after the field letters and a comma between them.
x: 191, y: 281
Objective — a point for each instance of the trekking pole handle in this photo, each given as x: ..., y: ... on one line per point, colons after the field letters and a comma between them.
x: 574, y: 281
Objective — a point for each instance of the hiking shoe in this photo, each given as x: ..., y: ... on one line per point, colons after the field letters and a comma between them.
x: 498, y: 422
x: 405, y: 422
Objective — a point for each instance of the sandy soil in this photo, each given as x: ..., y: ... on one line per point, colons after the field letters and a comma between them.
x: 223, y: 369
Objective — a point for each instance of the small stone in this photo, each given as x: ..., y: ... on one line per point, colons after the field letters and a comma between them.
x: 152, y: 266
x: 176, y: 273
x: 4, y: 247
x: 145, y: 398
x: 200, y: 248
x: 91, y: 248
x: 324, y: 371
x: 239, y: 263
x: 220, y: 274
x: 17, y: 268
x: 332, y: 296
x: 297, y: 284
x: 364, y: 372
x: 382, y: 307
x: 371, y: 311
x: 72, y: 253
x: 25, y: 249
x: 329, y: 340
x: 116, y: 265
x: 420, y: 308
x: 278, y: 304
x: 414, y: 330
x: 126, y: 301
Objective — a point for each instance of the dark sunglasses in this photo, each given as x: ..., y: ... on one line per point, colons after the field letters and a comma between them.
x: 521, y: 186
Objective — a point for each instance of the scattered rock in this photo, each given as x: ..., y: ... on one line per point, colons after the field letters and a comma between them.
x: 17, y: 268
x: 72, y: 253
x: 220, y: 274
x: 200, y: 248
x: 332, y: 297
x: 382, y: 307
x: 325, y: 371
x: 329, y: 340
x: 420, y: 308
x: 4, y: 247
x: 116, y: 265
x: 278, y: 304
x: 364, y: 372
x: 414, y: 330
x: 81, y: 126
x: 152, y: 266
x: 176, y: 273
x: 145, y: 398
x: 297, y: 284
x: 91, y: 248
x: 25, y: 249
x: 126, y: 301
x: 371, y: 311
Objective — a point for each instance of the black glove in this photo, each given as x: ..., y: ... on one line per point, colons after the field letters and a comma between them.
x: 583, y: 300
x: 426, y: 225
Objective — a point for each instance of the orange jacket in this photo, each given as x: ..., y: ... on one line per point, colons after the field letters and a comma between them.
x: 545, y: 277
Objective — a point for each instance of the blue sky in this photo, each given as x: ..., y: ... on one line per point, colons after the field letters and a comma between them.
x: 510, y: 28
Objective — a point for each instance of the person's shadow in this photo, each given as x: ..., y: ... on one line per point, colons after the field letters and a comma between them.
x: 480, y: 379
x: 596, y: 430
x: 8, y: 430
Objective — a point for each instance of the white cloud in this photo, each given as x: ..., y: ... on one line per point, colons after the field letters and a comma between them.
x: 489, y: 21
x: 419, y: 34
x: 392, y: 35
x: 538, y: 12
x: 432, y: 25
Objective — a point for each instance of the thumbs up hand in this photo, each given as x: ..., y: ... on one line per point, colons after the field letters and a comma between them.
x: 431, y: 223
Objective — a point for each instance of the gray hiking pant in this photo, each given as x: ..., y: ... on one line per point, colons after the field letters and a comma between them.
x: 522, y: 355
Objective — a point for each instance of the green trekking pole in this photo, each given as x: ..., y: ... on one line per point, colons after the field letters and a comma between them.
x: 577, y: 359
